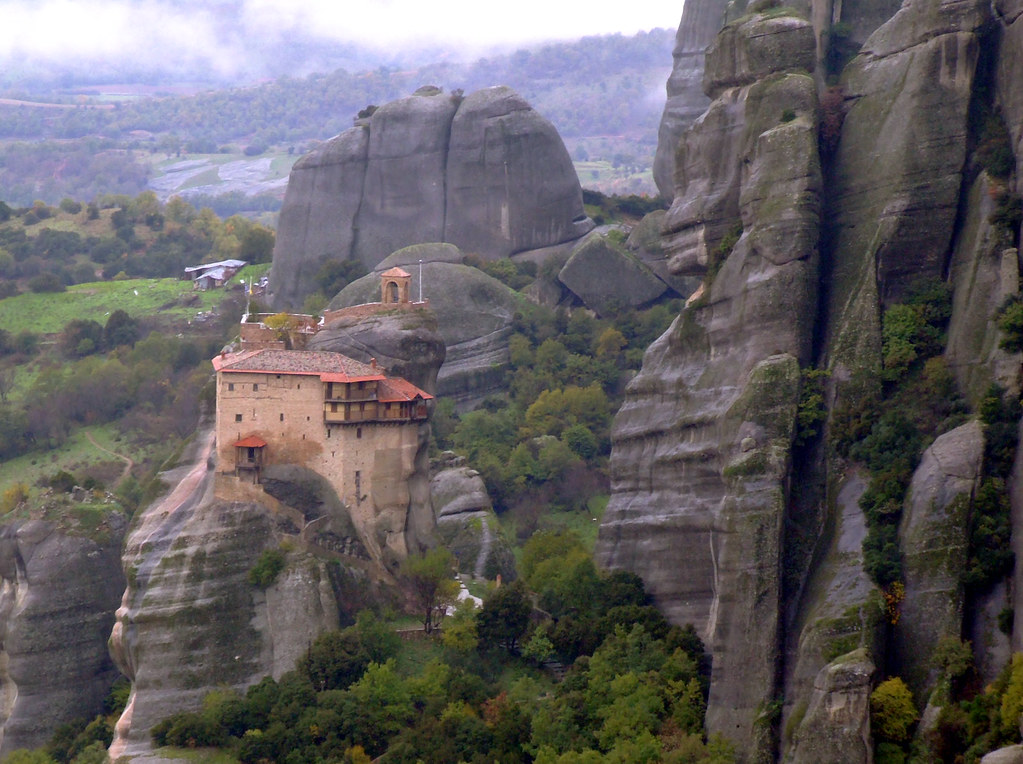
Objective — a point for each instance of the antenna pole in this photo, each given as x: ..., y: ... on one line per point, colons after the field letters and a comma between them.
x: 420, y: 281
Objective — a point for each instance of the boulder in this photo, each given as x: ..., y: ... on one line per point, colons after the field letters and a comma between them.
x: 606, y: 276
x: 1012, y: 754
x: 468, y: 525
x: 836, y: 724
x: 644, y: 243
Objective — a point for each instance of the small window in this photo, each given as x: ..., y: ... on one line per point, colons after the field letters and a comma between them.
x: 358, y: 432
x: 237, y: 417
x: 328, y: 432
x: 230, y: 386
x: 299, y: 386
x: 255, y: 386
x: 282, y: 417
x: 278, y: 376
x: 307, y: 419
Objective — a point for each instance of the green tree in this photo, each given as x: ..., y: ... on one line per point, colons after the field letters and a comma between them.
x: 430, y: 583
x: 892, y: 710
x: 376, y: 708
x: 504, y: 616
x: 120, y: 329
x: 334, y: 660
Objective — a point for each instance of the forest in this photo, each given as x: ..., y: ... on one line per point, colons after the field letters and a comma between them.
x: 604, y: 94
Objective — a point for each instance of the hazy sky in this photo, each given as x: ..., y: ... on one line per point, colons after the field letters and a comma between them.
x: 226, y: 35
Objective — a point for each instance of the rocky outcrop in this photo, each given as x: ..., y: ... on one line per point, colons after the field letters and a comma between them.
x: 644, y: 243
x: 57, y: 598
x: 839, y: 609
x: 474, y: 315
x: 701, y: 446
x: 835, y: 725
x: 405, y: 343
x: 900, y: 161
x: 1012, y: 754
x: 934, y: 534
x: 701, y: 21
x: 983, y: 274
x: 468, y: 525
x: 190, y: 617
x: 486, y: 173
x: 605, y: 276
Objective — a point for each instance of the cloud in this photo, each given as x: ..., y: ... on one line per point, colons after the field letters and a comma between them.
x: 233, y: 37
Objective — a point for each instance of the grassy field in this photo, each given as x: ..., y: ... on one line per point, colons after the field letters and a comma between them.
x: 49, y: 312
x: 77, y: 453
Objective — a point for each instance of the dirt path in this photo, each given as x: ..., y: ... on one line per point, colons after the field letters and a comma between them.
x: 128, y: 463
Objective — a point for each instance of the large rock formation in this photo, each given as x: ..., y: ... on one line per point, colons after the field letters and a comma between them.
x: 190, y: 619
x: 935, y: 535
x: 57, y: 598
x: 702, y: 444
x: 474, y: 314
x: 486, y: 173
x: 701, y: 21
x: 468, y: 525
x: 835, y: 726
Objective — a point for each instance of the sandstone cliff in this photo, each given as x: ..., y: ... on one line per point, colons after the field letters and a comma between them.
x: 903, y: 199
x: 57, y: 599
x: 484, y: 172
x: 701, y: 447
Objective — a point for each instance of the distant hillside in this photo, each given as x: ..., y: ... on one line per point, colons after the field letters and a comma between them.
x: 604, y: 94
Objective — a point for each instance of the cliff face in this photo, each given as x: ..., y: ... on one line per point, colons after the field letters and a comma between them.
x: 189, y: 618
x: 779, y: 591
x: 486, y: 173
x: 701, y: 21
x: 701, y: 446
x: 54, y: 665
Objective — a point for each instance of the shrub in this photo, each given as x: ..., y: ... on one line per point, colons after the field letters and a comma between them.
x: 892, y: 711
x: 46, y: 282
x: 269, y: 565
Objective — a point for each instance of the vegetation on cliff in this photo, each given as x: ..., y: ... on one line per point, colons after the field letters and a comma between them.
x: 636, y: 690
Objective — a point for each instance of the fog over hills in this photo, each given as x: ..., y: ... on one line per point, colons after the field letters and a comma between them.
x: 58, y: 43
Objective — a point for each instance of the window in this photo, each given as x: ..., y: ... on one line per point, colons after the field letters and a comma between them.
x: 358, y: 432
x: 282, y: 417
x: 237, y: 417
x: 255, y: 387
x: 230, y: 386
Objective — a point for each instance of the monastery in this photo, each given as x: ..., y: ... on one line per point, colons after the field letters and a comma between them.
x: 345, y: 420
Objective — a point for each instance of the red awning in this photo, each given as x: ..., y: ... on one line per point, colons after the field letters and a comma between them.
x: 250, y: 442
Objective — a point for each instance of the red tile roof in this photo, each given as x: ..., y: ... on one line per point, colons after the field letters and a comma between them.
x: 250, y: 442
x: 396, y: 273
x: 397, y: 389
x: 331, y: 367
